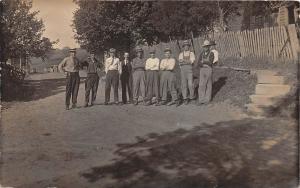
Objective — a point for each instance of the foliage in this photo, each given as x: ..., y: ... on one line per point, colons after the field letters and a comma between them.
x: 124, y: 24
x: 22, y: 31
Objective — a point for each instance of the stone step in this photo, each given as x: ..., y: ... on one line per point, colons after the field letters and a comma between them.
x: 270, y: 79
x: 272, y: 89
x: 256, y: 109
x: 264, y: 72
x: 265, y: 100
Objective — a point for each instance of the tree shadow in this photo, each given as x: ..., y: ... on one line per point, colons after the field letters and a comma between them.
x: 233, y: 154
x: 31, y: 90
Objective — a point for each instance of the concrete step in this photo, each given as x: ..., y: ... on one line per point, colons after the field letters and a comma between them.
x: 272, y: 89
x: 270, y: 79
x: 264, y: 72
x: 265, y: 100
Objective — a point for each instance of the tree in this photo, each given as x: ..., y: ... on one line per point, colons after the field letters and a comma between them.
x: 22, y: 31
x: 100, y: 24
x: 124, y: 24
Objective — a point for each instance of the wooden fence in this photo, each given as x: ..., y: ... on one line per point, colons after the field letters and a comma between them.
x: 273, y: 42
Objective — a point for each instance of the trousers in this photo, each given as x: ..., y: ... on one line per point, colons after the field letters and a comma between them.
x: 205, y: 85
x: 187, y: 81
x: 168, y: 85
x: 91, y: 83
x: 126, y: 82
x: 152, y: 84
x: 139, y: 84
x: 112, y: 80
x: 72, y: 87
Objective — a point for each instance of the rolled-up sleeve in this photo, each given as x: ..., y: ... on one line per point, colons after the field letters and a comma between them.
x: 62, y: 65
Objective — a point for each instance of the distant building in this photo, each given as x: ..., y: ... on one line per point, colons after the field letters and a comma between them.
x: 281, y: 15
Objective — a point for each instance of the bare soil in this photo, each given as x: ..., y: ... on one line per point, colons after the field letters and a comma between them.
x: 216, y: 145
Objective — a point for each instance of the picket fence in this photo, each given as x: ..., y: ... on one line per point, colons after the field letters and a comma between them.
x: 279, y: 42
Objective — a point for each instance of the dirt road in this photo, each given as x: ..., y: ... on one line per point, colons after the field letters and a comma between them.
x: 126, y: 146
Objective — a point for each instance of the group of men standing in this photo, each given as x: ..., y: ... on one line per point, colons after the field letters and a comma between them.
x: 150, y: 78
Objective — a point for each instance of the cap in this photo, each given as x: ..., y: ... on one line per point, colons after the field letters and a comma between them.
x: 72, y: 50
x: 186, y: 43
x: 112, y: 50
x: 167, y: 49
x: 139, y: 49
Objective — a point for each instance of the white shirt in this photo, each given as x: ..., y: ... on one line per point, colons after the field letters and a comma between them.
x: 113, y: 64
x: 186, y: 54
x: 167, y: 64
x: 216, y: 56
x: 152, y: 64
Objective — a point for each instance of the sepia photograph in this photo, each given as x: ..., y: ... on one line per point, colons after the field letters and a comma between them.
x: 149, y: 94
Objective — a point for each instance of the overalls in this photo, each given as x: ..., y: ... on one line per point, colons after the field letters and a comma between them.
x: 187, y: 78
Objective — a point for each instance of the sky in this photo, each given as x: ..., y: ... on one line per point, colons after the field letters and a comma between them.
x: 57, y: 16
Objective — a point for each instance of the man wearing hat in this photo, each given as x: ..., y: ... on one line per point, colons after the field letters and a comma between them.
x: 205, y: 62
x: 138, y: 66
x: 168, y: 80
x: 126, y: 79
x: 186, y: 61
x: 92, y: 80
x: 70, y: 66
x: 113, y: 70
x: 152, y: 79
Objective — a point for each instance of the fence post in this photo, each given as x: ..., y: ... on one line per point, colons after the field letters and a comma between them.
x: 294, y: 40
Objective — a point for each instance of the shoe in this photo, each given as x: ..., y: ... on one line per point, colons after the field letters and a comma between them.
x: 67, y: 107
x: 135, y: 102
x: 92, y: 104
x: 116, y: 103
x: 157, y: 103
x: 186, y: 101
x: 148, y: 103
x: 86, y: 105
x: 171, y: 103
x: 105, y: 103
x: 177, y: 103
x: 163, y: 103
x: 74, y: 106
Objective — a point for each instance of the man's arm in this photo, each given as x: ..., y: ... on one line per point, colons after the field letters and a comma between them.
x: 192, y: 57
x: 61, y: 65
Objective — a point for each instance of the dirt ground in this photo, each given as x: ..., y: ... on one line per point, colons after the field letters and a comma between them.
x: 217, y: 145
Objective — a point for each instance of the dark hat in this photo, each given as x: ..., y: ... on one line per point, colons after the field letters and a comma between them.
x: 152, y: 51
x: 112, y: 50
x: 186, y: 43
x: 167, y: 49
x: 139, y: 49
x: 72, y: 50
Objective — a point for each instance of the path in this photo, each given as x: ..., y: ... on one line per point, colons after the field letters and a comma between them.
x: 43, y: 145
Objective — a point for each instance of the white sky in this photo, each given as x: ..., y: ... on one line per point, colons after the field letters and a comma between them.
x: 57, y: 16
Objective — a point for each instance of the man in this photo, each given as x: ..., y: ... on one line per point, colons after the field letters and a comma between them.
x: 112, y: 70
x: 92, y: 80
x: 126, y: 79
x: 152, y: 78
x: 186, y: 61
x: 70, y: 66
x: 205, y: 62
x: 138, y: 66
x: 168, y: 81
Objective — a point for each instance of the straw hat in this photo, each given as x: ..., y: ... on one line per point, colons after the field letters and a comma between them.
x: 167, y: 49
x: 112, y: 50
x: 206, y: 43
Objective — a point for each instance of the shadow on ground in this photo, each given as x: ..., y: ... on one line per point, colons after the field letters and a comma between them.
x: 245, y: 153
x: 31, y: 90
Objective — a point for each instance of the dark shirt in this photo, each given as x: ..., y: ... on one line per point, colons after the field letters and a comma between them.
x: 138, y: 64
x: 92, y: 65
